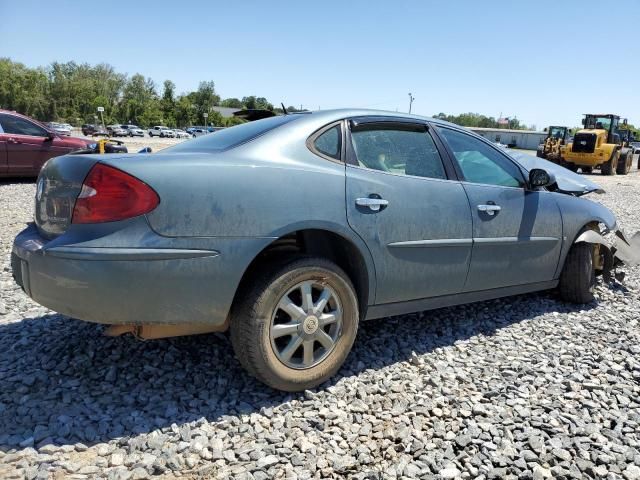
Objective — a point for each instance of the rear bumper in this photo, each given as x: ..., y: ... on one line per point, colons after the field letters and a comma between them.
x: 159, y: 285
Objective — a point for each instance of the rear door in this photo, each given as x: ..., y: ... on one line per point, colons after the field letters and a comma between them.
x: 28, y: 145
x: 516, y: 232
x: 402, y: 201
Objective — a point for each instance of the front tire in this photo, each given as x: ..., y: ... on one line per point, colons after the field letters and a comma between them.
x: 294, y: 326
x: 610, y: 166
x: 578, y: 278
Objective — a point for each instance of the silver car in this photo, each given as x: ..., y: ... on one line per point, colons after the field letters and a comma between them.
x: 289, y: 231
x: 133, y: 130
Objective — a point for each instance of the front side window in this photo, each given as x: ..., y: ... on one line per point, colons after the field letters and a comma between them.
x: 481, y: 163
x: 400, y: 149
x: 20, y: 126
x: 329, y: 143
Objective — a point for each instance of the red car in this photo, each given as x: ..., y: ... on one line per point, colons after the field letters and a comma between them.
x: 25, y: 144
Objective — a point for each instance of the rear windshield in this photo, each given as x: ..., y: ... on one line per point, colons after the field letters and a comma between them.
x: 232, y: 136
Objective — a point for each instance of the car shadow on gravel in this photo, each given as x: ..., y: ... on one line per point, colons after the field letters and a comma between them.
x: 63, y: 382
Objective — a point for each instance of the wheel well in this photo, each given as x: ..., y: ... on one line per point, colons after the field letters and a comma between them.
x: 317, y: 243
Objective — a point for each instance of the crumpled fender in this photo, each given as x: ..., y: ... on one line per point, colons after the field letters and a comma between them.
x: 617, y: 250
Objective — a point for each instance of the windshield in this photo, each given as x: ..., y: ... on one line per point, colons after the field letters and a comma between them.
x: 557, y: 132
x: 233, y: 136
x: 598, y: 122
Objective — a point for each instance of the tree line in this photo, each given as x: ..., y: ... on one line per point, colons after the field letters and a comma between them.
x: 72, y: 92
x: 482, y: 121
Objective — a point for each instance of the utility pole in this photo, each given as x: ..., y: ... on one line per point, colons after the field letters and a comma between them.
x: 411, y: 99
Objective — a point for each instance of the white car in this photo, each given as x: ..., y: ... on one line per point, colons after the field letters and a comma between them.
x: 161, y: 131
x: 179, y: 133
x: 61, y: 128
x: 133, y: 130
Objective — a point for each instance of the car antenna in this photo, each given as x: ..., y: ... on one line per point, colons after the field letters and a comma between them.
x: 284, y: 109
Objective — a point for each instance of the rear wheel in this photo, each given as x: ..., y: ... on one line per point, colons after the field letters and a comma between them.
x: 611, y: 165
x: 578, y: 278
x: 294, y: 327
x: 587, y: 169
x: 623, y: 165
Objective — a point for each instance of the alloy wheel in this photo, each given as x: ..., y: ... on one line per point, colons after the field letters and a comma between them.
x: 306, y: 324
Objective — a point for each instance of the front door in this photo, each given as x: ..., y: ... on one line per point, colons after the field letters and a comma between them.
x: 415, y: 220
x: 516, y: 232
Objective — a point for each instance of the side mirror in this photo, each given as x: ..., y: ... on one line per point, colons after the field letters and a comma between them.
x: 582, y: 121
x: 50, y: 136
x: 540, y: 178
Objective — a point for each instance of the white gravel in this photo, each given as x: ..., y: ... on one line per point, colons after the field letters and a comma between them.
x: 526, y: 387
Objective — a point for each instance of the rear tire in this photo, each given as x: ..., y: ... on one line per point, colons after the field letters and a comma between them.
x: 611, y: 165
x: 623, y: 165
x: 587, y: 169
x: 318, y: 337
x: 577, y: 280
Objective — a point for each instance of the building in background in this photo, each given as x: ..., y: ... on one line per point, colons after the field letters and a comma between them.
x: 525, y: 139
x: 226, y: 112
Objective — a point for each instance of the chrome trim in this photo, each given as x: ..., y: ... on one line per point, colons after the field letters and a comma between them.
x: 514, y: 240
x: 442, y: 242
x: 100, y: 253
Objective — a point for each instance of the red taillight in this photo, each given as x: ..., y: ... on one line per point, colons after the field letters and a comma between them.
x: 109, y: 195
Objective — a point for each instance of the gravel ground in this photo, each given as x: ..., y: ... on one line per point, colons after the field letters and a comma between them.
x: 526, y: 387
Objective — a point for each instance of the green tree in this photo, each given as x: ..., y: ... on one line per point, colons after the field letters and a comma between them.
x: 253, y: 102
x: 169, y: 104
x: 231, y: 103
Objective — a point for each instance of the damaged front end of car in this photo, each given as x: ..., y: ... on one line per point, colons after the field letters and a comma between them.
x: 612, y: 249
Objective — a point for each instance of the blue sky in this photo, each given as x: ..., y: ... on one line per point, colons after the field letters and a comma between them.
x: 545, y: 61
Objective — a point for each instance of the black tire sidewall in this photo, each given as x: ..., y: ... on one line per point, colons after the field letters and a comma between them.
x: 267, y: 367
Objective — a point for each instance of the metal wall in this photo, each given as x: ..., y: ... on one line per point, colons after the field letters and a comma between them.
x: 524, y: 139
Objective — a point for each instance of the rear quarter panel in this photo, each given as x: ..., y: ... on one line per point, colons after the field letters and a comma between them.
x: 242, y: 193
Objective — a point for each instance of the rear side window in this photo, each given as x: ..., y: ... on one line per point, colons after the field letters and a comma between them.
x: 400, y: 149
x: 329, y: 142
x: 479, y: 162
x: 233, y: 136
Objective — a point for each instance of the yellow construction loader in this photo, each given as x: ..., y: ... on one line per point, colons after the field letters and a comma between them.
x: 602, y: 143
x: 550, y: 148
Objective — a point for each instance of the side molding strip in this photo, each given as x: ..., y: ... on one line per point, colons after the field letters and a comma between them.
x: 462, y: 242
x: 98, y: 253
x: 446, y: 242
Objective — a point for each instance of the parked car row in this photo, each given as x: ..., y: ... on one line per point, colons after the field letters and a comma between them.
x: 134, y: 131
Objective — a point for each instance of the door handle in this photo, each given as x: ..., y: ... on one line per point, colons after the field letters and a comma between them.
x: 489, y: 209
x: 12, y: 140
x: 374, y: 204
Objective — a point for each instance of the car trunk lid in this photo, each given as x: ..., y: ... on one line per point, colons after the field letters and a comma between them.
x: 57, y: 189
